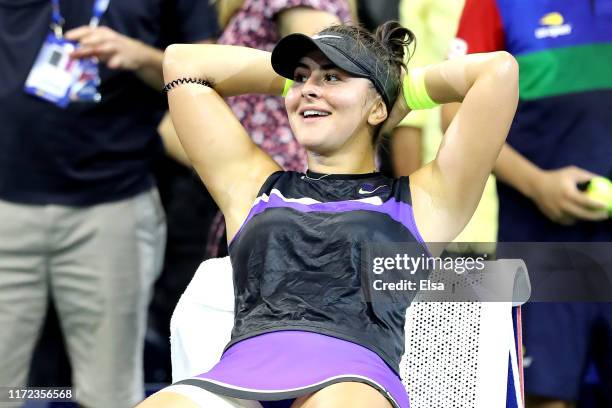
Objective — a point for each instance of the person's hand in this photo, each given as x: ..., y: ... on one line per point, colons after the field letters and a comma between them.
x: 556, y: 194
x: 398, y: 112
x: 116, y: 50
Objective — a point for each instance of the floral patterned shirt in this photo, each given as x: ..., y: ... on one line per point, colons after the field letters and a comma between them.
x: 264, y: 117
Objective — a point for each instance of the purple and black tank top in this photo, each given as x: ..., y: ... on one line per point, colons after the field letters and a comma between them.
x: 297, y: 258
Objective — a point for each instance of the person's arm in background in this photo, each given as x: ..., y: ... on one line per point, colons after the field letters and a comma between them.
x: 119, y: 51
x: 188, y: 18
x: 304, y: 20
x: 555, y: 192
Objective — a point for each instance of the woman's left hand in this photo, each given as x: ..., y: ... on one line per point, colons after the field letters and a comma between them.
x: 398, y: 112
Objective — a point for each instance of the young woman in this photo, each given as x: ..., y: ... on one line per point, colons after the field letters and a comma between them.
x: 303, y: 332
x: 194, y: 221
x: 255, y: 24
x: 261, y: 24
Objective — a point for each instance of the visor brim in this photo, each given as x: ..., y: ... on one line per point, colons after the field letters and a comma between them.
x: 289, y: 51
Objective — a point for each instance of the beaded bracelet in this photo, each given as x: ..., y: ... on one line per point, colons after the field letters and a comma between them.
x: 181, y: 81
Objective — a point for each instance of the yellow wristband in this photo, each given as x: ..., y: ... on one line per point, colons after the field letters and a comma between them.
x: 288, y: 83
x: 415, y: 91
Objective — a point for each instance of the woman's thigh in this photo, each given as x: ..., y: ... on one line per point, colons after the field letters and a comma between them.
x: 189, y: 396
x: 344, y: 394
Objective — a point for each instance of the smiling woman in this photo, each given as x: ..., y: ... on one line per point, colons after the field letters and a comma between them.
x: 321, y: 107
x: 325, y: 76
x: 304, y: 334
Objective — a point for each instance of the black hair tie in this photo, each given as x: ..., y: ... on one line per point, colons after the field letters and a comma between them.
x: 173, y: 84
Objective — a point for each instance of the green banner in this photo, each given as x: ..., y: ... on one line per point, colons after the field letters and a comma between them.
x: 565, y: 70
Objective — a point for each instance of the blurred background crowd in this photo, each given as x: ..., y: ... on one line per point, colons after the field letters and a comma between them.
x: 103, y: 222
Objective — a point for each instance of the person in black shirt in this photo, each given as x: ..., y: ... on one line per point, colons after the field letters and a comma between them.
x: 80, y: 218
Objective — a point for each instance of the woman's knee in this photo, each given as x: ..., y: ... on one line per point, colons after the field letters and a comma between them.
x: 190, y: 396
x: 344, y: 394
x: 167, y: 398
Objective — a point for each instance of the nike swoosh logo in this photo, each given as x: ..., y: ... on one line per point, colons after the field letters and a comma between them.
x: 362, y: 191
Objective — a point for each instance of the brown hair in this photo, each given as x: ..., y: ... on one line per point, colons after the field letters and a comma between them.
x: 389, y: 43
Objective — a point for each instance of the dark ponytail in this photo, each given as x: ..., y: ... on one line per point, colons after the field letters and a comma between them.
x: 390, y: 42
x: 397, y: 40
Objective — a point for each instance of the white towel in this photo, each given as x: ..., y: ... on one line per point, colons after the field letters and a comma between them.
x: 203, y: 319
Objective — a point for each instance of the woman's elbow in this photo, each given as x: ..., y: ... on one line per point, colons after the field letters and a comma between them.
x: 174, y: 59
x: 505, y: 68
x: 504, y: 64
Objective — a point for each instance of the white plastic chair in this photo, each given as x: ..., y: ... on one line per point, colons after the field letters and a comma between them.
x: 458, y: 354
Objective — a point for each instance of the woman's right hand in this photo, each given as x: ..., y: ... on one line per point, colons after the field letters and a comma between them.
x: 556, y: 194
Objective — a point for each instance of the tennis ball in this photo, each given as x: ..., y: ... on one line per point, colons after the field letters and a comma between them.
x: 600, y: 189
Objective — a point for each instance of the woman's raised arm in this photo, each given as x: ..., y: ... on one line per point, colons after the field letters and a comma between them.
x: 447, y: 190
x: 231, y: 166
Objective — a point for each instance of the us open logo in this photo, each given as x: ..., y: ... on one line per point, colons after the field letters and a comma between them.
x: 553, y: 26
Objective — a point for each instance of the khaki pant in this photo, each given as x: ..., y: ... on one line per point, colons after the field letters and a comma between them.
x: 98, y: 264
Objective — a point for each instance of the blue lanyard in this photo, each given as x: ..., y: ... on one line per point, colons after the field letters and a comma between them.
x: 57, y: 20
x: 100, y: 7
